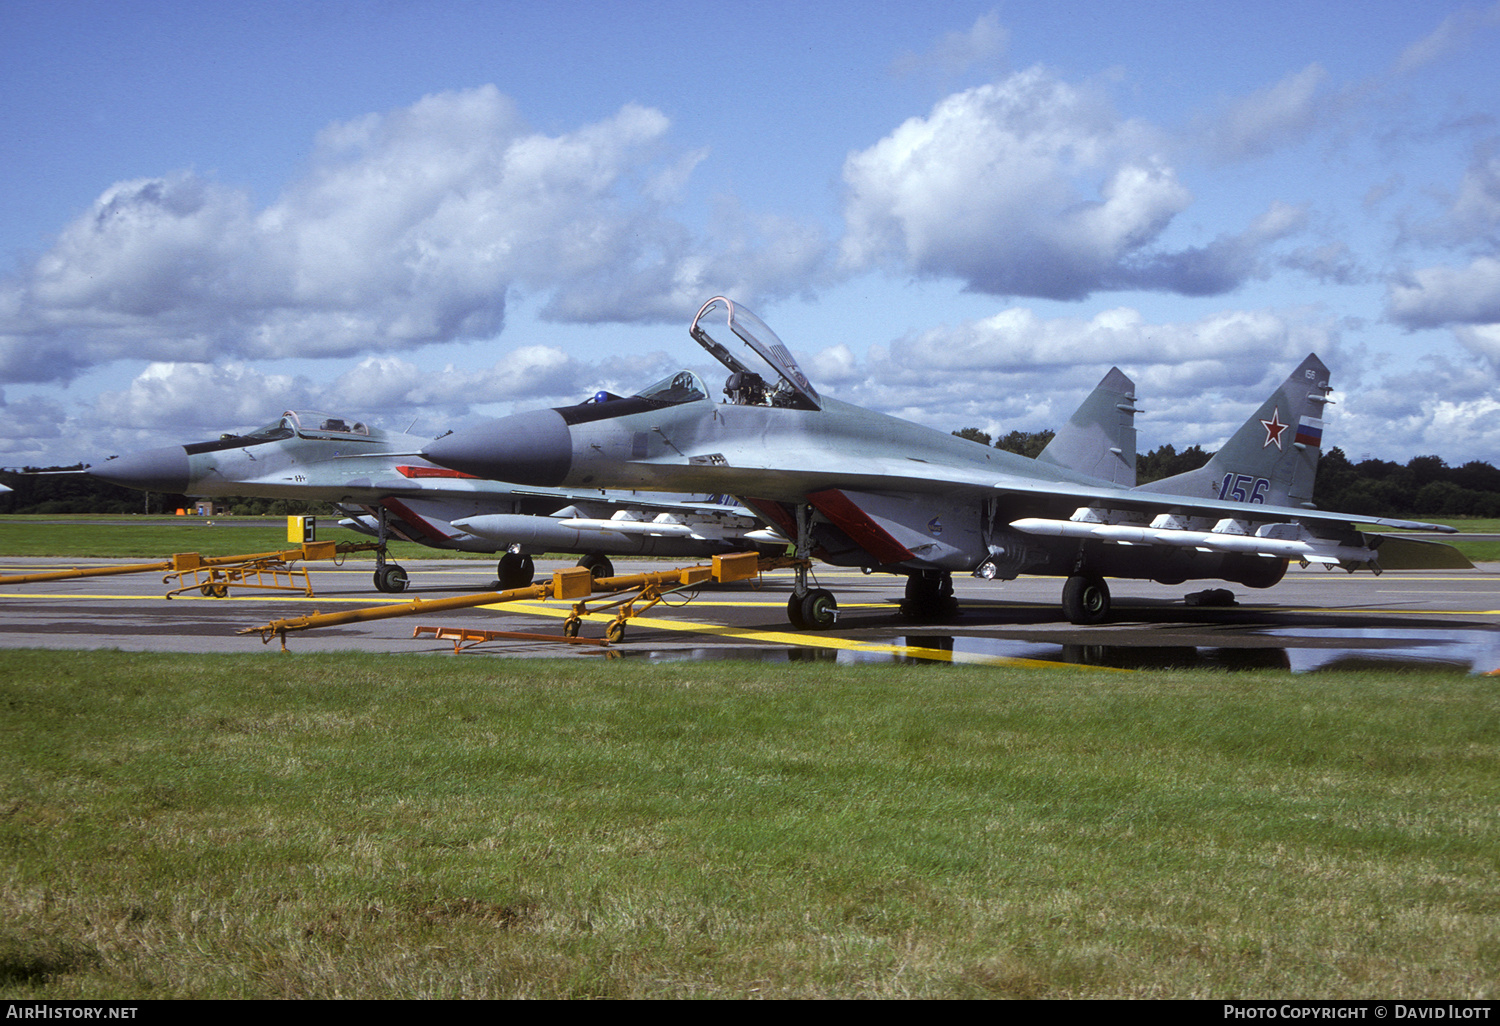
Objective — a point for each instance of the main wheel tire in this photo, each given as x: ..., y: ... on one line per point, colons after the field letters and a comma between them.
x: 820, y: 610
x: 1085, y: 600
x: 794, y: 612
x: 515, y: 571
x: 598, y: 566
x: 1261, y: 571
x: 929, y: 598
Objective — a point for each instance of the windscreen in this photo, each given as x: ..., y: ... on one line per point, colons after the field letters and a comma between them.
x: 682, y: 387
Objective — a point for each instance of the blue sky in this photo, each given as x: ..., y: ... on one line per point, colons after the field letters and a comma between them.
x: 961, y: 213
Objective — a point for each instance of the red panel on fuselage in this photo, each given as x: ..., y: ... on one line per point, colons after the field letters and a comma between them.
x: 859, y: 526
x: 412, y: 519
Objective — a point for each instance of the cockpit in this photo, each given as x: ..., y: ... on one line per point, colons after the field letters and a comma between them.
x: 718, y: 326
x: 674, y: 390
x: 682, y: 387
x: 307, y: 424
x: 725, y: 330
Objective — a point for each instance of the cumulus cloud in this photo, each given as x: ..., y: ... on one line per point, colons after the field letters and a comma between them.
x: 1438, y: 296
x: 1017, y: 339
x: 1269, y: 118
x: 1033, y: 187
x: 1472, y: 214
x: 1332, y: 263
x: 1483, y: 340
x: 669, y: 276
x: 956, y: 52
x: 1440, y: 418
x: 1197, y: 380
x: 529, y: 372
x: 408, y: 227
x: 27, y: 426
x: 188, y: 399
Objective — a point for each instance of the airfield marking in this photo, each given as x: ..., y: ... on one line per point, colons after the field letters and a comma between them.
x: 772, y: 604
x: 814, y: 640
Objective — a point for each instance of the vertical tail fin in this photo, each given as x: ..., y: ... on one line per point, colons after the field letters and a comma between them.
x: 1273, y: 457
x: 1099, y: 439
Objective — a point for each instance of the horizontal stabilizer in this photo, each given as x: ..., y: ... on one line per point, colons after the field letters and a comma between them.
x: 1416, y: 554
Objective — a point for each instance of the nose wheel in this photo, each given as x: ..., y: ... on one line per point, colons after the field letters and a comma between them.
x: 391, y: 579
x: 815, y: 611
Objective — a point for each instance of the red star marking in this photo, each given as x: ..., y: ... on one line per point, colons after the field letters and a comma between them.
x: 1274, y: 428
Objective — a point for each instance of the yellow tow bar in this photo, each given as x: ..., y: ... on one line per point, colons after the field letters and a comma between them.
x: 213, y: 575
x: 575, y: 583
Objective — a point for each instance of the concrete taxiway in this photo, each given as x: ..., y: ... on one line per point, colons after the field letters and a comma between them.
x: 1314, y: 619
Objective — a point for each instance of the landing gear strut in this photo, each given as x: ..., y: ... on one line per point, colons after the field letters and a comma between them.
x: 389, y: 577
x: 809, y: 608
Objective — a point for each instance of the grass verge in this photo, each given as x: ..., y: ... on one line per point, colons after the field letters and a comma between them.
x: 347, y: 826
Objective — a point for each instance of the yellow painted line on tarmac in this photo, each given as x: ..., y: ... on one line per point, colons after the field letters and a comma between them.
x: 810, y: 640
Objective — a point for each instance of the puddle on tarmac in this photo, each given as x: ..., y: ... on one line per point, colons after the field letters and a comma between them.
x: 1308, y: 650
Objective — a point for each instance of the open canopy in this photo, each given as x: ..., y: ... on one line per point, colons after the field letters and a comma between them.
x: 725, y: 329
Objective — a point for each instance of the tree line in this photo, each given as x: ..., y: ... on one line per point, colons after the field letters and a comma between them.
x: 62, y: 490
x: 1425, y: 486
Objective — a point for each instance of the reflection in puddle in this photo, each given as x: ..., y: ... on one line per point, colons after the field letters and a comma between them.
x: 1312, y: 650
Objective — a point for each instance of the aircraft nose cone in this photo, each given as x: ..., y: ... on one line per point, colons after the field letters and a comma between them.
x: 534, y: 448
x: 154, y: 470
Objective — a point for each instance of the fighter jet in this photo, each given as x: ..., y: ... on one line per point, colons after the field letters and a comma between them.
x: 376, y: 478
x: 857, y: 488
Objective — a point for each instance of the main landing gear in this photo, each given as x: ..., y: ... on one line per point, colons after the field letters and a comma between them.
x: 515, y: 571
x: 929, y: 595
x: 1085, y: 600
x: 599, y: 566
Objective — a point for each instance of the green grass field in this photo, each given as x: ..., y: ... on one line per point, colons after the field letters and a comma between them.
x: 368, y: 827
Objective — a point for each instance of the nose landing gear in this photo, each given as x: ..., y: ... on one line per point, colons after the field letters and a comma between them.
x: 809, y: 609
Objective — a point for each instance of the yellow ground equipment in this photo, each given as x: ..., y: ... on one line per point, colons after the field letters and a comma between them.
x: 575, y: 584
x: 214, y: 575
